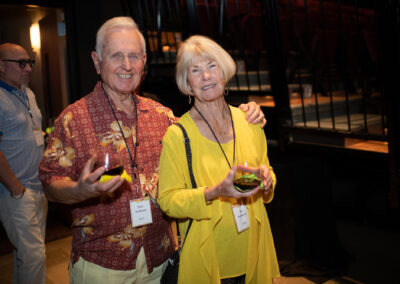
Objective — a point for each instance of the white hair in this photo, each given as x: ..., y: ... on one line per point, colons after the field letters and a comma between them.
x: 117, y: 22
x: 204, y: 47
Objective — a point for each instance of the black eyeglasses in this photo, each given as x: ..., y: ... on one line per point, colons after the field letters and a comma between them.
x: 22, y: 63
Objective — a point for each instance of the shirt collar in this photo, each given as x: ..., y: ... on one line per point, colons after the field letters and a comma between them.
x: 141, y: 105
x: 6, y: 86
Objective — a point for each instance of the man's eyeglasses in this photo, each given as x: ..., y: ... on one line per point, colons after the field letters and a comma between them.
x: 22, y: 63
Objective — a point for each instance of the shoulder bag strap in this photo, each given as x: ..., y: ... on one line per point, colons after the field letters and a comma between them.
x: 189, y: 160
x: 188, y: 153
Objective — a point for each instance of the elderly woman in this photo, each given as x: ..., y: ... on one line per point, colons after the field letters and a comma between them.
x: 230, y: 239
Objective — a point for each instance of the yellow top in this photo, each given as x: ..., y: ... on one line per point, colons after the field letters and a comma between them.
x: 214, y: 249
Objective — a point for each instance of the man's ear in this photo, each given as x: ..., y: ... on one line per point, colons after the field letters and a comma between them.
x: 96, y: 61
x: 144, y: 58
x: 2, y: 69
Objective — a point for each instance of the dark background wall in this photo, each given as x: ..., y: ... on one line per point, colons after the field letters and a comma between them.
x: 330, y: 215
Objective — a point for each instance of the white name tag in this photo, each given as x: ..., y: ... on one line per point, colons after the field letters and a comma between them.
x: 141, y: 212
x: 241, y: 215
x: 38, y: 136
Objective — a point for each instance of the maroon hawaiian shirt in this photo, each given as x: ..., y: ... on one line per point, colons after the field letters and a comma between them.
x: 102, y: 228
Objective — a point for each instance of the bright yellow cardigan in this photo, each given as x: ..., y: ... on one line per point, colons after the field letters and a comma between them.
x: 177, y: 199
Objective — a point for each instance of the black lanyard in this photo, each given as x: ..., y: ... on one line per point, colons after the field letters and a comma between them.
x: 133, y: 159
x: 215, y: 136
x: 27, y: 106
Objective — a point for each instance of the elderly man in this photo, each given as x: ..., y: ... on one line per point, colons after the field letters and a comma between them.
x: 23, y: 206
x: 119, y: 233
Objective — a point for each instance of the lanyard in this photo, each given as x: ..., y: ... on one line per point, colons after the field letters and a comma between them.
x: 215, y: 136
x: 133, y: 159
x: 27, y: 106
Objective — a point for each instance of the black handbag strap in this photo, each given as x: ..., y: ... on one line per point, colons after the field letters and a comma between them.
x: 189, y: 161
x: 188, y: 153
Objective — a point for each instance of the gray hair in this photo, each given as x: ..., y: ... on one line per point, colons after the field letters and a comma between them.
x: 117, y: 22
x: 204, y: 47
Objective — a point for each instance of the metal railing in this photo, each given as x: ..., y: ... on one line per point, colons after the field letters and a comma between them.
x: 317, y: 58
x: 332, y: 54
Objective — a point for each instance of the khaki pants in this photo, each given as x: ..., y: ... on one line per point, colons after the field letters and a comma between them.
x: 87, y: 272
x: 25, y: 223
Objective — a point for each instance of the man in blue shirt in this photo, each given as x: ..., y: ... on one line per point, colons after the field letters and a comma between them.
x: 23, y: 206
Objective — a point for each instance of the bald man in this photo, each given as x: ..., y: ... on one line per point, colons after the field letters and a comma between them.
x: 23, y: 206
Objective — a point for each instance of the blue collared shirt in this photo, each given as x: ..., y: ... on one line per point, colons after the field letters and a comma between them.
x: 6, y: 86
x: 17, y: 142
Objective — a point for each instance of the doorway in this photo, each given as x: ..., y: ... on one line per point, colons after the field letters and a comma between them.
x: 49, y: 79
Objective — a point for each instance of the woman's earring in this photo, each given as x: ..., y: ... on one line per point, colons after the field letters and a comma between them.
x: 226, y: 91
x: 190, y: 99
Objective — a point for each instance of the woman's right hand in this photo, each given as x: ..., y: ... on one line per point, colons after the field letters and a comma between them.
x: 226, y: 189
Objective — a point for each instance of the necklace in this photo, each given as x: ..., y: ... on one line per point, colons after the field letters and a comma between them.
x: 215, y: 136
x: 133, y: 159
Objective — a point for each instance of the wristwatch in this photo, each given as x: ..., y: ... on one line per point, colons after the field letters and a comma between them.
x: 18, y: 196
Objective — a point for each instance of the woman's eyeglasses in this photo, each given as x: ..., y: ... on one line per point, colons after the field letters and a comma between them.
x: 22, y: 63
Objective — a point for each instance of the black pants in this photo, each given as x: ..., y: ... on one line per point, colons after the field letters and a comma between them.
x: 235, y: 280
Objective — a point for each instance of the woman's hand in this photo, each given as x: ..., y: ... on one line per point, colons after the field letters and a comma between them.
x: 263, y: 174
x: 254, y: 113
x: 226, y: 189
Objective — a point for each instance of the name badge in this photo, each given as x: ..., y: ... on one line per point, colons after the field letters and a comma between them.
x: 140, y: 211
x: 38, y: 136
x: 241, y: 214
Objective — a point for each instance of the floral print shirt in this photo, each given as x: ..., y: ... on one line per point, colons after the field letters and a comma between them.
x: 102, y: 228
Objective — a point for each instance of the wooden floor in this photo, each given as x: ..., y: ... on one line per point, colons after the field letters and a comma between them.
x: 366, y: 145
x: 58, y: 252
